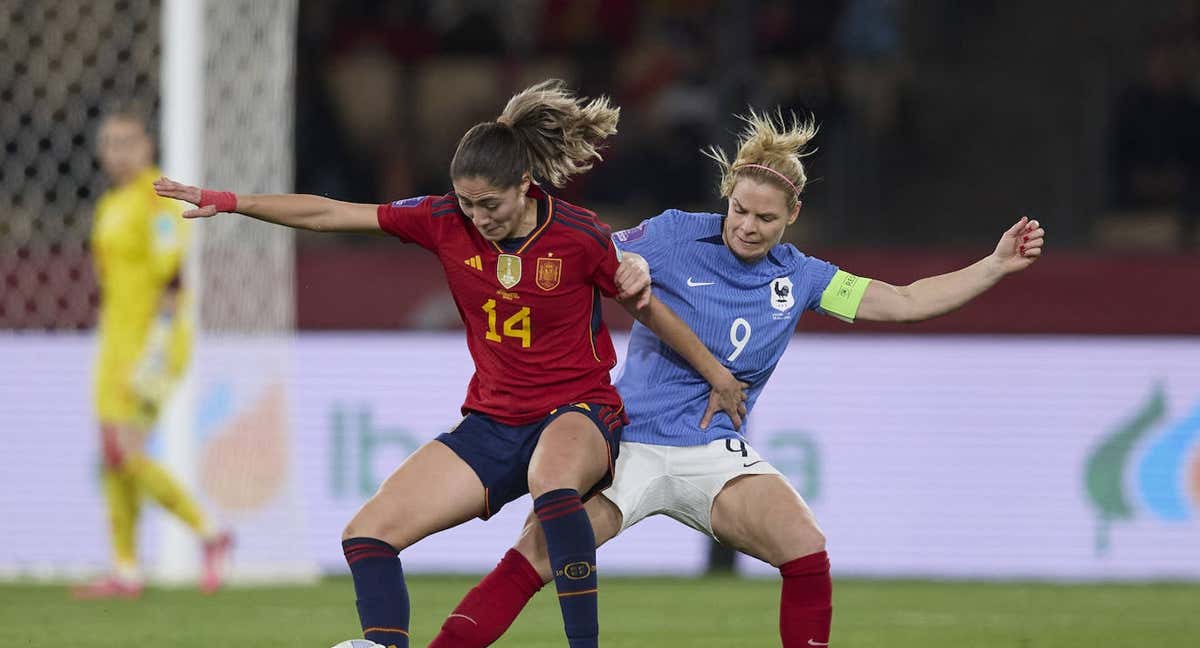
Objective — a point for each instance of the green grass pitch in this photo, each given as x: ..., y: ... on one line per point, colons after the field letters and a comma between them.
x: 657, y: 613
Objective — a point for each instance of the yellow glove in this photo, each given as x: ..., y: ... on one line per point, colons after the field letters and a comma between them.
x: 152, y: 378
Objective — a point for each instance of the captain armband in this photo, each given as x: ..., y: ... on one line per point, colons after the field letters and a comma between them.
x: 843, y: 295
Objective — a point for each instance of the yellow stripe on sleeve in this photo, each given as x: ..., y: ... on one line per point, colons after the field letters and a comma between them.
x: 843, y: 295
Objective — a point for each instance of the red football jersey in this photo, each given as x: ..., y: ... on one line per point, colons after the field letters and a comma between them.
x: 532, y: 314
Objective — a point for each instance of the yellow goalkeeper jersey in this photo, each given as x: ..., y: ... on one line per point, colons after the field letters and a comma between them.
x: 138, y: 244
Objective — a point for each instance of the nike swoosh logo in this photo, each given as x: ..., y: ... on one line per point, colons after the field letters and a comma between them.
x: 747, y: 466
x: 693, y: 284
x: 817, y: 643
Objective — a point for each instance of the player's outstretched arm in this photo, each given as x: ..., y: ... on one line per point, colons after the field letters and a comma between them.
x: 930, y: 297
x: 728, y: 393
x: 302, y: 211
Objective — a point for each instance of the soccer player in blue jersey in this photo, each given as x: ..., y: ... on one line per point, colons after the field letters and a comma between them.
x: 742, y: 292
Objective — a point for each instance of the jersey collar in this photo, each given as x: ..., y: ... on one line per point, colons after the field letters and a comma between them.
x: 545, y: 212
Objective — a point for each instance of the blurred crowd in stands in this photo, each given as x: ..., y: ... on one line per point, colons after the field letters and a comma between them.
x: 1155, y: 144
x: 939, y: 122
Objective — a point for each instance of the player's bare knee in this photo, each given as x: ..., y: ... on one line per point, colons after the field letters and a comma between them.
x: 813, y: 542
x: 540, y: 484
x: 112, y: 450
x: 113, y: 460
x: 544, y: 480
x: 350, y: 531
x: 354, y: 530
x: 361, y: 527
x: 804, y: 540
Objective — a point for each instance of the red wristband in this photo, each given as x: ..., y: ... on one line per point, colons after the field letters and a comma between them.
x: 225, y: 201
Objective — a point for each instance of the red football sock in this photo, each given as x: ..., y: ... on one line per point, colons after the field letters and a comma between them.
x: 806, y: 603
x: 492, y: 605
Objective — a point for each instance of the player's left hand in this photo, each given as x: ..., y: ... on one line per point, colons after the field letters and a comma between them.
x: 151, y: 379
x: 633, y: 279
x: 1020, y: 246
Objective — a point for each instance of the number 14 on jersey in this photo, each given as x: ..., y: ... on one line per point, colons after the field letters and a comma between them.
x: 516, y: 326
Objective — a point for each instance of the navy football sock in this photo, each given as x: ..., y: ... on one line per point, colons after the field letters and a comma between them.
x: 382, y: 597
x: 572, y: 548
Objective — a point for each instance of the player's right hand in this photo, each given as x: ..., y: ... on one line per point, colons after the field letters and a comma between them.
x: 168, y: 188
x: 728, y: 395
x: 633, y: 279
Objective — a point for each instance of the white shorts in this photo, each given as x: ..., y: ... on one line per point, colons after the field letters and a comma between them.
x: 679, y: 481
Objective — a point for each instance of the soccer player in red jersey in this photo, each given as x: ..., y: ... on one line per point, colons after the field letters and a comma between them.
x: 717, y: 269
x: 526, y: 271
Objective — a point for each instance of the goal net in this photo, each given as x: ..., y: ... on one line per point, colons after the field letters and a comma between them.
x: 227, y: 122
x: 218, y: 77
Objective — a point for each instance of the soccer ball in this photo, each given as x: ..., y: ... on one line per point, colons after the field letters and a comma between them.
x: 358, y: 643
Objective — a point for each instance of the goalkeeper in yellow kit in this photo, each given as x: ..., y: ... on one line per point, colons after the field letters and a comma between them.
x: 138, y: 243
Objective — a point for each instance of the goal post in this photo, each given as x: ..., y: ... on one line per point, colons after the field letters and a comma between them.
x: 227, y: 106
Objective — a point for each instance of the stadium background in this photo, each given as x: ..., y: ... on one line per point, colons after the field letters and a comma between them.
x: 1048, y: 431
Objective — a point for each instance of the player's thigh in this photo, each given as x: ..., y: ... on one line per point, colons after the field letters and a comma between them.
x: 112, y: 398
x: 571, y: 453
x: 432, y: 490
x: 606, y: 523
x: 763, y: 516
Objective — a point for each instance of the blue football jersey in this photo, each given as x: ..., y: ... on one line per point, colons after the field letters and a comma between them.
x: 745, y: 313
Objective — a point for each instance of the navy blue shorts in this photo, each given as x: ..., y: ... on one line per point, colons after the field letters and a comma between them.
x: 500, y: 454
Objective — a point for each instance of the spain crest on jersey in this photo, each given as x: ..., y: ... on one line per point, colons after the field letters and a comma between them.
x: 549, y: 272
x: 508, y: 270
